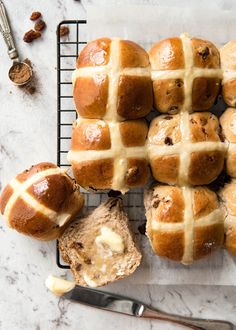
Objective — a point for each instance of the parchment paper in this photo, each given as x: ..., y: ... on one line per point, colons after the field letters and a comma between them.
x: 147, y: 24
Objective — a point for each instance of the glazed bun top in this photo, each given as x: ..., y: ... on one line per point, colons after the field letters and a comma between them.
x: 169, y: 54
x: 99, y: 52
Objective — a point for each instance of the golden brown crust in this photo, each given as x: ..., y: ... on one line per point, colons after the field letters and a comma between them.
x: 134, y: 96
x: 207, y: 239
x: 52, y: 191
x: 160, y: 240
x: 132, y: 55
x: 229, y: 92
x: 91, y: 95
x: 205, y: 166
x: 204, y: 126
x: 137, y: 172
x: 25, y: 175
x: 228, y: 124
x: 96, y: 174
x: 204, y: 202
x: 167, y: 55
x: 165, y: 168
x: 90, y: 135
x: 168, y: 204
x: 28, y: 221
x: 95, y: 53
x: 165, y: 130
x: 133, y: 132
x: 205, y: 54
x: 5, y: 196
x: 168, y: 95
x: 204, y: 93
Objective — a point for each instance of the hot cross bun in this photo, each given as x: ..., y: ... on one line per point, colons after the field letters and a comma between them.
x: 41, y: 201
x: 183, y: 223
x: 108, y: 155
x: 186, y: 74
x: 112, y: 80
x: 186, y: 148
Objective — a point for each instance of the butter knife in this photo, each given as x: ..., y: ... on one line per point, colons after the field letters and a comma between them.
x: 115, y: 303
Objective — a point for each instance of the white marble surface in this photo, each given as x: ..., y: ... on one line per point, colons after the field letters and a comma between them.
x: 27, y: 136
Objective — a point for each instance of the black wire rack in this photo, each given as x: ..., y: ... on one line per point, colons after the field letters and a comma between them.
x: 68, y: 49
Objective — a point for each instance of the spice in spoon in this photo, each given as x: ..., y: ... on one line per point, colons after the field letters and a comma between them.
x: 20, y: 73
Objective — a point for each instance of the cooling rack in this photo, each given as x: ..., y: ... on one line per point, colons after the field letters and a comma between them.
x: 68, y: 49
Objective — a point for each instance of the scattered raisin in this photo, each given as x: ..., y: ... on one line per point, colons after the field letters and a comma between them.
x: 168, y: 141
x: 40, y: 25
x: 178, y: 82
x: 204, y: 52
x: 35, y: 15
x: 168, y: 117
x: 78, y: 267
x: 173, y: 109
x: 30, y: 35
x: 64, y: 31
x: 155, y: 203
x: 142, y: 228
x: 114, y: 193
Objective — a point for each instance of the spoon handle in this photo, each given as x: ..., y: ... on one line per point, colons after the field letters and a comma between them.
x: 6, y: 32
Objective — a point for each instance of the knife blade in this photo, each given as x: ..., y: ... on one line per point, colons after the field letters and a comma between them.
x: 119, y: 304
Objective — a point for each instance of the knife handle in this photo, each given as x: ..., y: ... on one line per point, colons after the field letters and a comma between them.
x: 192, y: 323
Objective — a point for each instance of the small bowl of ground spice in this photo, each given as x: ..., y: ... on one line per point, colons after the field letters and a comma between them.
x: 20, y: 73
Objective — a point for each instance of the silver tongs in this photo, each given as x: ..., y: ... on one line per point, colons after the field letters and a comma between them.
x: 115, y: 303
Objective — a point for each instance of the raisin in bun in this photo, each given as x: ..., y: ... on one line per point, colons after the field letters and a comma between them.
x: 41, y: 201
x: 228, y: 64
x: 183, y: 224
x: 108, y: 155
x: 186, y: 74
x: 112, y: 80
x: 228, y: 195
x: 228, y: 124
x: 186, y: 148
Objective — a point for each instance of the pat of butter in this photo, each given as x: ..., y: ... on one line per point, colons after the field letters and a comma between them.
x: 91, y: 283
x: 110, y: 238
x: 62, y: 218
x: 58, y: 285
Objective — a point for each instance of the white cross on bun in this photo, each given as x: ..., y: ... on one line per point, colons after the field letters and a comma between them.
x: 41, y: 201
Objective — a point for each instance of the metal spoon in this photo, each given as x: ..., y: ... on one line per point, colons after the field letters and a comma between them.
x: 12, y: 52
